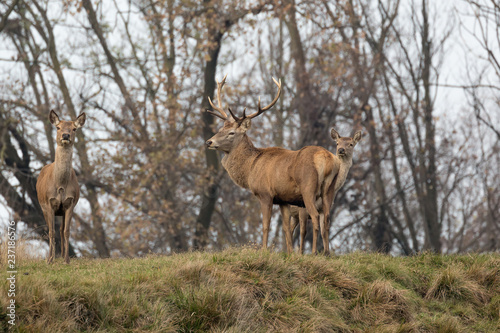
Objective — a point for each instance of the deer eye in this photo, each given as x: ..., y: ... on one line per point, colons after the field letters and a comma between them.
x: 74, y: 129
x: 58, y: 128
x: 230, y: 133
x: 350, y: 145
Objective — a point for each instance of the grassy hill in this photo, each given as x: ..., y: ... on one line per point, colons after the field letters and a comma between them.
x: 248, y: 290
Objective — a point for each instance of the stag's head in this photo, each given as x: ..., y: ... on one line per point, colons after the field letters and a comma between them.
x: 66, y: 129
x: 234, y: 127
x: 345, y: 145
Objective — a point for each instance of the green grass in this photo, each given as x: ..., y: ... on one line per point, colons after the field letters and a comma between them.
x: 248, y: 290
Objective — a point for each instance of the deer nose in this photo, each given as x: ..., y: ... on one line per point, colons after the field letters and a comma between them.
x: 341, y: 151
x: 65, y: 136
x: 208, y: 143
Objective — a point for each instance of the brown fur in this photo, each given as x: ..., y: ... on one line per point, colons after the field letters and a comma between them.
x: 342, y: 162
x: 57, y: 186
x: 276, y: 175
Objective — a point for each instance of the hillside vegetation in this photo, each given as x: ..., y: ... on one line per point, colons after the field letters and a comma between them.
x: 248, y: 290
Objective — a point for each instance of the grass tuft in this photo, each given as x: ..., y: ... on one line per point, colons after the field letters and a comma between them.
x: 82, y: 311
x: 447, y: 324
x: 380, y: 302
x: 249, y: 290
x: 453, y: 283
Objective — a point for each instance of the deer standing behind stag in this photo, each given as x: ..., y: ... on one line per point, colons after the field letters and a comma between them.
x: 307, y: 178
x: 57, y: 186
x: 345, y: 147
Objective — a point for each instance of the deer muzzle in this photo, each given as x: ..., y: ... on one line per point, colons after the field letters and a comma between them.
x: 65, y: 138
x: 210, y: 144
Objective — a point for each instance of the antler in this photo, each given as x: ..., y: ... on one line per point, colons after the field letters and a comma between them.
x: 236, y: 118
x: 222, y: 115
x: 261, y: 110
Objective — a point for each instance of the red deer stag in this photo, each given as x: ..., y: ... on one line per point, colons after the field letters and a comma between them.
x: 343, y: 160
x: 57, y: 187
x: 274, y: 175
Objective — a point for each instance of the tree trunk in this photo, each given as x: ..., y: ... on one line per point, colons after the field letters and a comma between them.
x: 430, y: 199
x: 209, y: 196
x: 382, y: 239
x: 312, y: 129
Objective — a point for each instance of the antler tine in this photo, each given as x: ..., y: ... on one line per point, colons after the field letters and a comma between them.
x: 223, y: 115
x: 236, y: 118
x: 261, y: 110
x: 219, y: 89
x: 216, y: 114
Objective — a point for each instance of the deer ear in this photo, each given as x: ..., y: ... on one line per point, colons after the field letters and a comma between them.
x: 335, y: 134
x: 54, y: 118
x: 356, y: 137
x: 245, y: 124
x: 80, y: 121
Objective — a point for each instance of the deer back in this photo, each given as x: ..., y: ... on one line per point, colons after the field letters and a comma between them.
x: 280, y: 173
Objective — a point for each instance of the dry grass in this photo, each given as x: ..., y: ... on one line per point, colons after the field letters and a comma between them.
x: 24, y: 250
x: 379, y: 302
x: 453, y: 283
x: 247, y: 290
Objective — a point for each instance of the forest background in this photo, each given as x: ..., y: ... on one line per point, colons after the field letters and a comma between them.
x: 426, y: 175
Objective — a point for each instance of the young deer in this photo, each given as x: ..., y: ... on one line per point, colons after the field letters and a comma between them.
x: 57, y: 187
x: 274, y: 175
x: 343, y: 160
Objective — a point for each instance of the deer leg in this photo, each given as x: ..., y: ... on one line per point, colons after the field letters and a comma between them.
x: 49, y: 218
x: 313, y: 212
x: 324, y: 227
x: 51, y: 221
x: 285, y: 213
x: 294, y: 222
x: 303, y: 228
x: 327, y: 204
x: 309, y: 190
x: 61, y: 230
x: 68, y: 215
x: 266, y: 205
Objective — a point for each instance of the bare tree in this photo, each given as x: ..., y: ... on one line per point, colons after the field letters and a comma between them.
x: 143, y: 71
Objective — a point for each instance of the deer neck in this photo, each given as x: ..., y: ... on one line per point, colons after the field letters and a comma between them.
x: 345, y: 165
x: 63, y: 166
x: 238, y: 161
